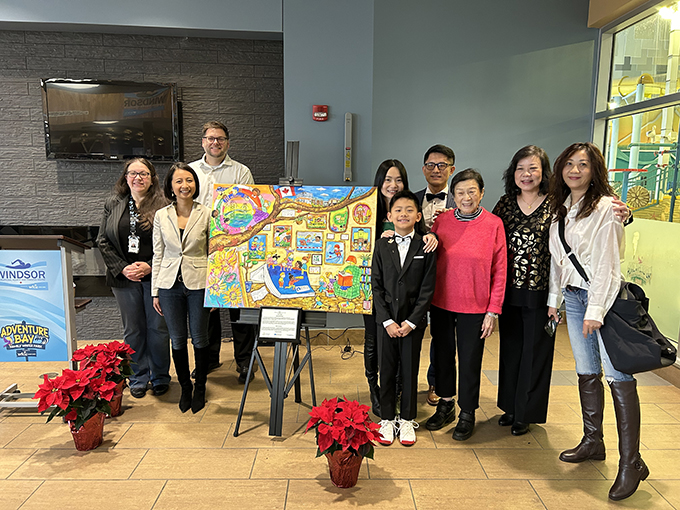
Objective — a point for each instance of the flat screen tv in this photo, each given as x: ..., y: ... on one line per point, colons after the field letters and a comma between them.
x: 110, y: 120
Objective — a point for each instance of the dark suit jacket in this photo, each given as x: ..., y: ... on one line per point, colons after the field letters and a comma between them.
x: 110, y: 246
x: 403, y: 293
x: 450, y: 201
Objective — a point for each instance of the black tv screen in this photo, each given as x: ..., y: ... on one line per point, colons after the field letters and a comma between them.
x: 110, y: 120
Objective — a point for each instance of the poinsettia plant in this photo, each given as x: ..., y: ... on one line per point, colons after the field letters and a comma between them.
x: 111, y: 359
x: 77, y: 395
x: 343, y: 424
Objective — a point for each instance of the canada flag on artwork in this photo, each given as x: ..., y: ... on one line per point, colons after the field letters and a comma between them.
x: 286, y: 191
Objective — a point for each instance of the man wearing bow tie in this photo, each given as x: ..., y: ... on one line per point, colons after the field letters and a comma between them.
x: 438, y: 166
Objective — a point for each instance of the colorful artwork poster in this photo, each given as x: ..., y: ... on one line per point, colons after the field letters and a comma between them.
x: 32, y: 314
x: 306, y: 247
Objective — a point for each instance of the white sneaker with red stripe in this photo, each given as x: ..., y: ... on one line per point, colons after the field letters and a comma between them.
x: 407, y: 433
x: 386, y: 432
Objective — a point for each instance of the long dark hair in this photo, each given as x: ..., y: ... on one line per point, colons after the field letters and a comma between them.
x: 152, y: 201
x: 599, y: 184
x: 511, y: 189
x: 380, y: 175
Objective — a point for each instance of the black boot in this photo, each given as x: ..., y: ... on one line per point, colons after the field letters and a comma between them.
x: 632, y: 469
x: 591, y: 446
x: 202, y: 359
x: 371, y: 366
x: 180, y: 358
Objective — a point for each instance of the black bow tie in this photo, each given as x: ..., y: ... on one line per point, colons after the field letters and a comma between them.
x: 431, y: 196
x: 402, y: 239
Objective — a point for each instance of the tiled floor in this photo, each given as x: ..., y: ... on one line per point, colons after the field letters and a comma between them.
x: 155, y: 457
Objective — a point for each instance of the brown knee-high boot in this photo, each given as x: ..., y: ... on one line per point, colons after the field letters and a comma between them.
x: 632, y: 469
x: 591, y: 446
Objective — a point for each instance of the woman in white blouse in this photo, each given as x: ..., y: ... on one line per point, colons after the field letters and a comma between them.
x: 582, y: 197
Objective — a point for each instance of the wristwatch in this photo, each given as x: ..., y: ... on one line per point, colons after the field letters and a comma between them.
x: 491, y: 314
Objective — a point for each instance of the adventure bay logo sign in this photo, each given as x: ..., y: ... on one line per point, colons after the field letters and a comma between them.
x: 25, y: 338
x: 25, y: 275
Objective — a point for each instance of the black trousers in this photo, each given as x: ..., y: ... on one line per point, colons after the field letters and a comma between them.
x: 244, y: 338
x: 461, y: 332
x: 396, y: 353
x: 525, y: 366
x: 214, y: 337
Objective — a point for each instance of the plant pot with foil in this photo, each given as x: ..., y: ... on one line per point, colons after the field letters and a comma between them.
x: 82, y: 397
x: 345, y: 435
x: 112, y: 361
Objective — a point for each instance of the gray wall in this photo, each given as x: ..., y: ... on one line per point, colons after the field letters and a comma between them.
x: 484, y: 78
x: 237, y: 81
x: 328, y: 55
x: 260, y: 16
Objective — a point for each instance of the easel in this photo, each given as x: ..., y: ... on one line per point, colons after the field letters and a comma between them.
x: 278, y: 386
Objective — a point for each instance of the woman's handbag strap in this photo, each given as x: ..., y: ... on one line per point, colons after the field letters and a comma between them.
x: 571, y: 254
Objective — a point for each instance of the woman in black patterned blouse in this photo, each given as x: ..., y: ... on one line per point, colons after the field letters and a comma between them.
x: 526, y: 350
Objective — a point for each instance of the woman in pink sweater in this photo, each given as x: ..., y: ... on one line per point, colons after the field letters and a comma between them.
x: 471, y: 274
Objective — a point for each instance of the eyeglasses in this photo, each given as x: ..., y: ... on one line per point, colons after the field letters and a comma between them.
x: 441, y: 166
x: 141, y: 175
x: 219, y: 139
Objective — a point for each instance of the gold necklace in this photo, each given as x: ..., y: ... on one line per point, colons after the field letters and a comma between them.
x: 529, y: 205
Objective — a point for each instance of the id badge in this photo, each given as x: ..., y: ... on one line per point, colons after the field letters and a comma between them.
x: 133, y: 244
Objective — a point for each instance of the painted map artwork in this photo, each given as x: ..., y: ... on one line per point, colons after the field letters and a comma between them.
x: 306, y: 247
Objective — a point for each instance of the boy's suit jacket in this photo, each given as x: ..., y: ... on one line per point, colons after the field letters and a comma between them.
x: 403, y: 293
x: 170, y: 252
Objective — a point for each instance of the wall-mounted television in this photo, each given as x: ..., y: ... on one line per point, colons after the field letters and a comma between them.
x: 110, y: 120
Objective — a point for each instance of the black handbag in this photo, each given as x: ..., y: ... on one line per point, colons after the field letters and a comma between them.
x: 633, y: 342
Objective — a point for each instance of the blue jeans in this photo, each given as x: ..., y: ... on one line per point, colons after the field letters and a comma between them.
x: 177, y: 304
x: 589, y: 353
x: 145, y: 331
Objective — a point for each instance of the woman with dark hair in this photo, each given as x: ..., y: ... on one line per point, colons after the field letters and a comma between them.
x: 125, y: 242
x: 581, y: 200
x: 526, y: 349
x: 180, y: 256
x: 471, y: 273
x: 390, y: 178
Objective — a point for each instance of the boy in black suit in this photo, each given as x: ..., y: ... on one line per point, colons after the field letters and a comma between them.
x: 403, y: 279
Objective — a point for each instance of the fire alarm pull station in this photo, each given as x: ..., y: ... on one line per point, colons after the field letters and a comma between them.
x: 320, y: 112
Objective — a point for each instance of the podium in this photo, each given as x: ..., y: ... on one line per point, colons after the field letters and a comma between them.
x: 37, y: 303
x: 278, y: 386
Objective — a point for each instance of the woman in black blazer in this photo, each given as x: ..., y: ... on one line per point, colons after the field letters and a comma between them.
x: 125, y: 242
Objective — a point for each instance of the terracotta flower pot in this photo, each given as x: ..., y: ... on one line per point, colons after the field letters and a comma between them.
x: 117, y: 400
x: 344, y: 467
x: 90, y: 435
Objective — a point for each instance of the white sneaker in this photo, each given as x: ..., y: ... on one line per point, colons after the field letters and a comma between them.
x: 407, y: 433
x: 386, y: 432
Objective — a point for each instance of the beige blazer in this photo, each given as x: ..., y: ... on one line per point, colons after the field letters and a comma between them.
x: 170, y: 253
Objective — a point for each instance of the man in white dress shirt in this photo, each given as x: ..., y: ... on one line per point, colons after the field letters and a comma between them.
x: 438, y: 166
x: 216, y: 167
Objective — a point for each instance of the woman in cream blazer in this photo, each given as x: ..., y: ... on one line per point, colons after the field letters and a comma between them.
x: 180, y: 260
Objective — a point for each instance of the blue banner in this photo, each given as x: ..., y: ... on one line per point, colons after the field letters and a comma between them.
x: 32, y: 312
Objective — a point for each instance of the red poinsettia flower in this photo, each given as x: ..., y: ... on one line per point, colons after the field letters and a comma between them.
x: 51, y: 393
x: 76, y: 381
x: 104, y: 388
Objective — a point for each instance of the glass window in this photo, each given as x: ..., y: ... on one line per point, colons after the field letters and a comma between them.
x: 640, y: 154
x: 641, y: 59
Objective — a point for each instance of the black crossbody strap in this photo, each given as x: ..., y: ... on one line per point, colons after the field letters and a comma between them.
x: 571, y: 254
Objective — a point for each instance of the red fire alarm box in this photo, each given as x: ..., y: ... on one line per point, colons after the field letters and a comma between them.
x: 320, y: 112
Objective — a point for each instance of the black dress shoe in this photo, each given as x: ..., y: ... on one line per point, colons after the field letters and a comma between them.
x: 445, y: 413
x: 138, y: 392
x: 519, y: 428
x: 243, y: 373
x: 160, y: 389
x: 506, y: 420
x: 465, y: 426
